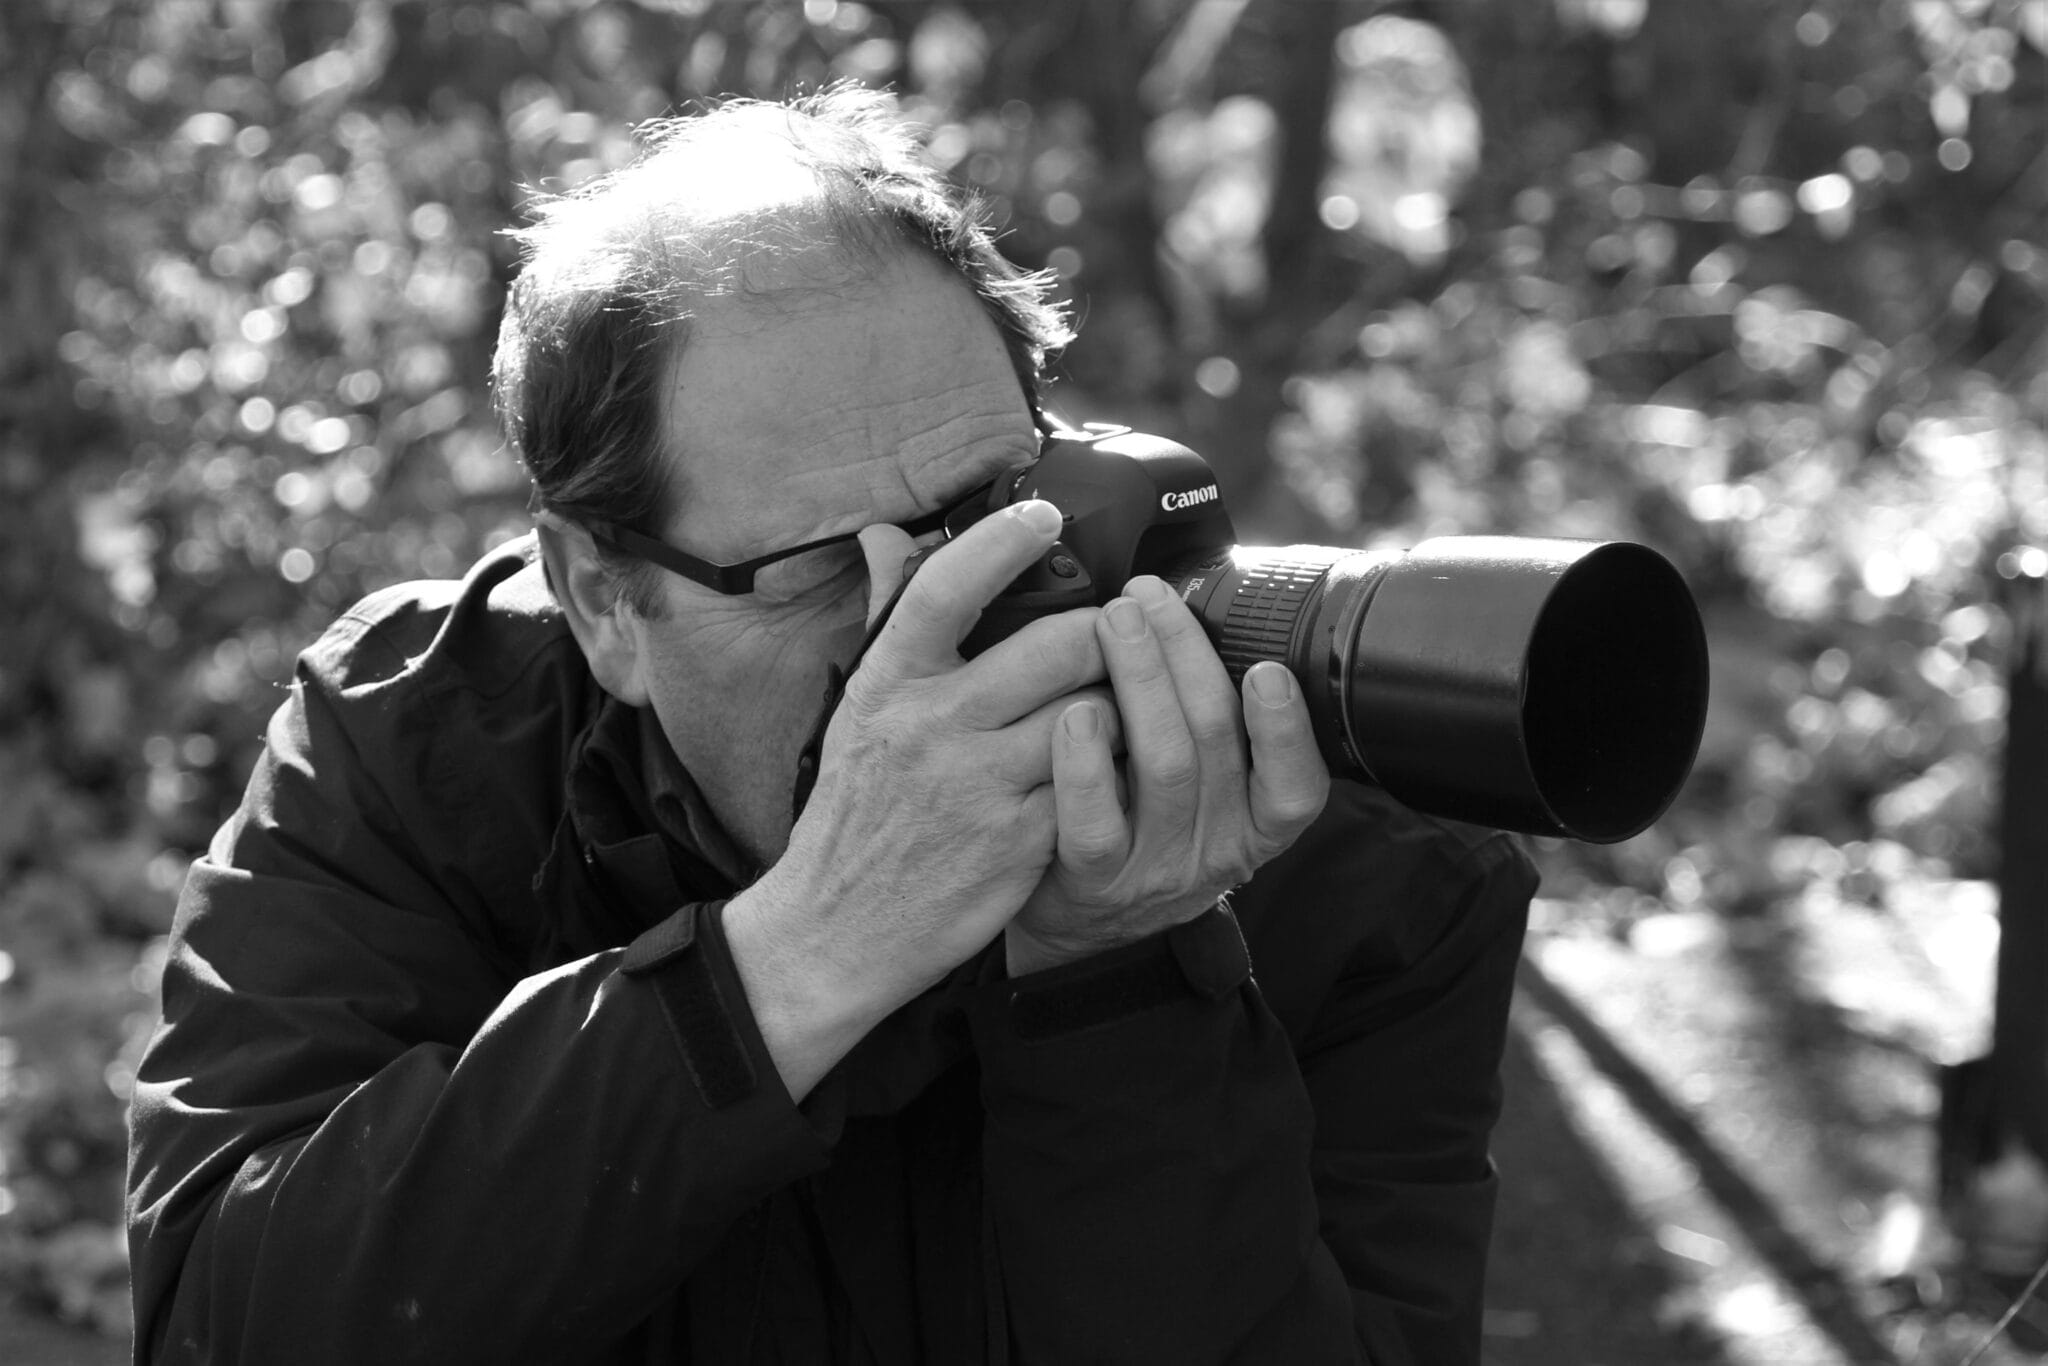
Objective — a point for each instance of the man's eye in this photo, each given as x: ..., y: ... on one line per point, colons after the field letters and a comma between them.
x: 828, y: 570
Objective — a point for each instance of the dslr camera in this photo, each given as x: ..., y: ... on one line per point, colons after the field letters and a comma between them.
x: 1553, y: 687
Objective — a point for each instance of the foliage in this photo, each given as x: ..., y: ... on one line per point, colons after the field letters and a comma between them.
x: 1397, y: 269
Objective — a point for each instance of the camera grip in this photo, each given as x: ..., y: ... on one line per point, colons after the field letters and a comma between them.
x: 1055, y: 583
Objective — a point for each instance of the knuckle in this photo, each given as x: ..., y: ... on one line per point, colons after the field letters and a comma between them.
x: 1294, y: 817
x: 1136, y: 669
x: 940, y: 709
x: 1174, y: 772
x: 870, y: 686
x: 1215, y: 730
x: 926, y: 590
x: 1288, y: 814
x: 1090, y: 849
x: 1300, y: 801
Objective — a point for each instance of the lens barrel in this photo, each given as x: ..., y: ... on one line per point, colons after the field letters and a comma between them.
x: 1548, y: 686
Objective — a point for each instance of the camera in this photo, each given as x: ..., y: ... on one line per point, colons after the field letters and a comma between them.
x: 1552, y: 687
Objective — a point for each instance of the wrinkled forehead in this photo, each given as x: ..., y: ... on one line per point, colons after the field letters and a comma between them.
x: 882, y: 390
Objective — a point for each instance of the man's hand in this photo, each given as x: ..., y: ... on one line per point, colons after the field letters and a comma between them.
x: 933, y: 814
x: 1199, y: 818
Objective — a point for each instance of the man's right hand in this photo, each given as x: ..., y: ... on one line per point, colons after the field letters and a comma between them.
x: 932, y: 818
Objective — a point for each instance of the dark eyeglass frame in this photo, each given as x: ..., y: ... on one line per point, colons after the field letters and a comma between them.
x: 733, y: 580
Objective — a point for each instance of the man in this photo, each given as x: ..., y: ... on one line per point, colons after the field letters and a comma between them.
x: 514, y: 1017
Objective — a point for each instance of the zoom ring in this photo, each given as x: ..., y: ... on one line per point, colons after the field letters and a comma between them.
x: 1263, y: 611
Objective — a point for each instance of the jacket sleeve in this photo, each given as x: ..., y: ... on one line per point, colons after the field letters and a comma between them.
x: 1179, y: 1168
x: 361, y: 1135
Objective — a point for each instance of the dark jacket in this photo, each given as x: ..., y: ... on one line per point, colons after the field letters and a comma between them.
x: 455, y: 1067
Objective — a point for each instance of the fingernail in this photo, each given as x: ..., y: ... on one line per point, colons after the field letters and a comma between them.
x: 1041, y: 516
x: 1126, y: 618
x: 1148, y: 589
x: 1272, y: 684
x: 1081, y: 722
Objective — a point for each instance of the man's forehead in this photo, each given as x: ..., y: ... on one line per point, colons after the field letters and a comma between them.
x: 828, y: 340
x: 878, y: 397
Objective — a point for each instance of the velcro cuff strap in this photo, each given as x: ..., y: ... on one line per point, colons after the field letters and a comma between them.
x: 1204, y: 957
x: 675, y: 958
x: 1109, y: 993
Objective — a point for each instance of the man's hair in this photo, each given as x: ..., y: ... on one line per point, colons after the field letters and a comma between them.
x: 614, y: 269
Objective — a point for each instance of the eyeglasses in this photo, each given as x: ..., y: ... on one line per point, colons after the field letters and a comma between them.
x: 804, y: 566
x: 805, y: 569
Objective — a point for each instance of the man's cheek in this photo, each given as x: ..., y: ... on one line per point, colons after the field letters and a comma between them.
x: 811, y: 642
x: 753, y: 684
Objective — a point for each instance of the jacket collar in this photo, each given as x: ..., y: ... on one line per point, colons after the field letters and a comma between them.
x: 636, y: 838
x: 679, y: 810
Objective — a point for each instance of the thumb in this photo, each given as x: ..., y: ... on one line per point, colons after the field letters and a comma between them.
x: 886, y: 548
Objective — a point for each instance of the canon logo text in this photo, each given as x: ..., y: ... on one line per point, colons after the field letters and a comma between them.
x: 1174, y: 502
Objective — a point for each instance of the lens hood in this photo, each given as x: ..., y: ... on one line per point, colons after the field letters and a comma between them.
x: 1549, y: 686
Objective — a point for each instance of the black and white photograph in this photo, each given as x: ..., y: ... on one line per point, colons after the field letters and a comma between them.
x: 1023, y: 682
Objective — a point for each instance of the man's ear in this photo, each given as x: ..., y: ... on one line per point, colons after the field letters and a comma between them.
x: 606, y: 627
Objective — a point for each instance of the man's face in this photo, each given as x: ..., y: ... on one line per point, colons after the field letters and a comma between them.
x: 803, y: 416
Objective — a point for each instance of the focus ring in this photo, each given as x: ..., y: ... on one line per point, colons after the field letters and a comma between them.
x: 1265, y: 607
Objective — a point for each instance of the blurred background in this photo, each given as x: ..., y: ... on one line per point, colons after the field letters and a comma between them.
x: 1759, y: 282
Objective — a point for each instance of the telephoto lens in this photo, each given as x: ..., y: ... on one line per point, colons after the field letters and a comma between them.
x: 1547, y: 686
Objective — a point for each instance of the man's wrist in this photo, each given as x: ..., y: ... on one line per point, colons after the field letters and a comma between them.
x: 809, y: 1004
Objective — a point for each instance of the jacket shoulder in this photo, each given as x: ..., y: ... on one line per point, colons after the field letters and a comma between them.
x: 482, y: 633
x: 420, y: 756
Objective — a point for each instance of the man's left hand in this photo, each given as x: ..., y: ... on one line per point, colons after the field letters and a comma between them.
x: 1191, y: 815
